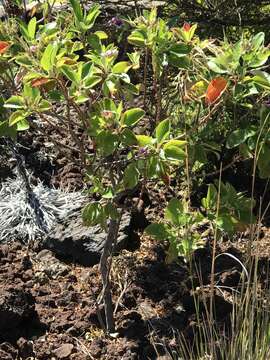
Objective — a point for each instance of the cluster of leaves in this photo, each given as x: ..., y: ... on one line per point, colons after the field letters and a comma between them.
x: 224, y: 208
x: 178, y: 229
x: 229, y: 210
x: 199, y: 85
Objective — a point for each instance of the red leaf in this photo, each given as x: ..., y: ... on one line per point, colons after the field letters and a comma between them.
x: 186, y: 27
x: 39, y: 82
x: 215, y: 89
x: 4, y: 45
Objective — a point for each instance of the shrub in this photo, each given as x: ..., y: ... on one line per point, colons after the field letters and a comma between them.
x: 207, y: 97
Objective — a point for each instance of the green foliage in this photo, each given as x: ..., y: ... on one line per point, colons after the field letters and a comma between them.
x: 226, y: 209
x: 229, y: 210
x: 177, y: 230
x: 69, y: 62
x: 201, y: 102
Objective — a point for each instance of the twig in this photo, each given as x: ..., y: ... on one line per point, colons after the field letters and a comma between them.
x: 145, y: 77
x: 235, y: 160
x: 56, y: 142
x: 126, y: 285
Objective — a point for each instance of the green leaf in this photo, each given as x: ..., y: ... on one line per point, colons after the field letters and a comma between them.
x: 86, y: 70
x: 133, y: 89
x: 15, y: 102
x: 261, y: 78
x: 137, y: 38
x: 174, y: 153
x: 50, y: 28
x: 111, y: 210
x: 24, y: 29
x: 56, y: 95
x: 31, y: 93
x: 200, y: 154
x: 16, y: 117
x: 109, y: 88
x: 77, y: 9
x: 94, y: 42
x: 121, y: 67
x: 217, y: 68
x: 210, y: 202
x: 31, y: 76
x: 144, y: 140
x: 158, y: 231
x: 181, y: 62
x: 174, y: 212
x: 245, y: 152
x: 238, y: 137
x: 180, y: 50
x: 101, y: 34
x: 257, y: 41
x: 93, y: 214
x: 132, y: 116
x: 92, y: 16
x: 107, y: 142
x: 23, y: 60
x: 259, y: 59
x: 135, y: 59
x: 175, y: 142
x: 48, y: 57
x: 22, y: 125
x: 92, y: 81
x: 131, y: 176
x: 44, y: 105
x: 163, y: 130
x: 80, y: 99
x: 32, y: 25
x: 153, y: 167
x: 192, y: 31
x: 226, y: 222
x: 128, y: 137
x: 70, y: 73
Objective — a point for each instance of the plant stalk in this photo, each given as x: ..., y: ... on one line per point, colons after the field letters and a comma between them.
x: 105, y: 268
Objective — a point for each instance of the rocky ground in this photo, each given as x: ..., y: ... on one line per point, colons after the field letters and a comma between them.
x: 48, y: 308
x: 49, y: 292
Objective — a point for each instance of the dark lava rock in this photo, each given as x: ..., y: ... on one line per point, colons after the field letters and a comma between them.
x: 77, y: 242
x: 16, y: 307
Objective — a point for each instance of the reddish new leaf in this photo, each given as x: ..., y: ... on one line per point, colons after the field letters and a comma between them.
x: 4, y: 45
x: 186, y: 27
x: 215, y: 89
